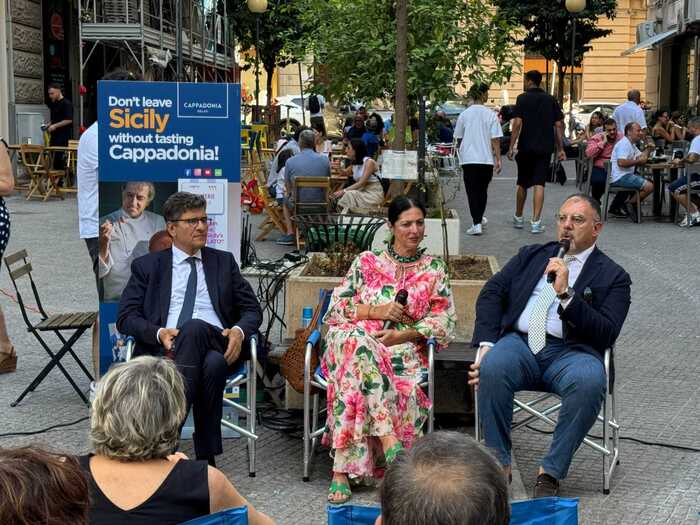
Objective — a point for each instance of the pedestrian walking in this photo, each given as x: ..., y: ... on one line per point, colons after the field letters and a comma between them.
x: 479, y: 153
x: 537, y: 127
x: 8, y: 356
x: 61, y: 127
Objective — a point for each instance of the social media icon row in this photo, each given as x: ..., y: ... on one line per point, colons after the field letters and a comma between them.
x: 204, y: 172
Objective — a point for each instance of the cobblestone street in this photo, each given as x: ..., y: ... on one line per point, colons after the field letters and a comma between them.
x: 657, y: 363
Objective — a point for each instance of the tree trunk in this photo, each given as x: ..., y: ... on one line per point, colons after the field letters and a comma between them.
x: 560, y: 84
x: 401, y: 100
x: 269, y: 73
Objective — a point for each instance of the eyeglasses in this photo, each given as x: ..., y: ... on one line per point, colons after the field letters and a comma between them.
x: 578, y: 220
x: 194, y: 221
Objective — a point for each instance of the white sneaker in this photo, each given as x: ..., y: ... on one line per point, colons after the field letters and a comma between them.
x: 475, y: 230
x: 536, y: 227
x: 693, y: 218
x: 518, y: 222
x: 484, y: 221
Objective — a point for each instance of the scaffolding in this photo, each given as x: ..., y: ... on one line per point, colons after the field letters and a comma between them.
x: 145, y: 30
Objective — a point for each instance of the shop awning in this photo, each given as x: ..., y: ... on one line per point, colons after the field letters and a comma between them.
x: 650, y: 42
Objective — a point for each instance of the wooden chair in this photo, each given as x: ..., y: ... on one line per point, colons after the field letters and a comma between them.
x: 274, y: 216
x: 72, y: 167
x: 31, y: 156
x: 18, y: 266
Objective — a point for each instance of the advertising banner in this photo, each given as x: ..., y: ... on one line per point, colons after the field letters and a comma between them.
x: 154, y: 139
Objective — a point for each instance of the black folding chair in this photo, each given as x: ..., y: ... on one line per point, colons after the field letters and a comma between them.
x: 78, y: 322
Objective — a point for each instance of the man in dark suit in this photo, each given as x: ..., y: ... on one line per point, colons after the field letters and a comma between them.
x: 191, y: 303
x: 551, y: 337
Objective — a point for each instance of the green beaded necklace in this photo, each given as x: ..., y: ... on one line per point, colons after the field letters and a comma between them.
x: 405, y: 260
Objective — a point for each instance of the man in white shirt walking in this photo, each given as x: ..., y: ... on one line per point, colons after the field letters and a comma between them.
x: 625, y: 159
x: 480, y: 154
x: 630, y: 111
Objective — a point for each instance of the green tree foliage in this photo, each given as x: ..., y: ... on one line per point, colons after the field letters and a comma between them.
x: 281, y: 27
x: 450, y: 43
x: 548, y: 28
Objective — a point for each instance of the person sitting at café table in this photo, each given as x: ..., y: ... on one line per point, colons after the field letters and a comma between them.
x: 599, y: 148
x: 357, y: 129
x: 365, y: 193
x: 594, y: 127
x: 679, y: 188
x: 665, y: 130
x: 375, y: 406
x: 625, y: 160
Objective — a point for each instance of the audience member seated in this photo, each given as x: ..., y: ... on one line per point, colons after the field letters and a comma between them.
x: 665, y: 130
x: 40, y: 487
x: 375, y: 406
x: 625, y: 159
x: 135, y: 475
x: 323, y: 146
x: 124, y: 236
x: 282, y: 196
x: 534, y: 335
x: 679, y: 188
x: 192, y: 303
x: 291, y: 144
x: 599, y: 148
x: 445, y: 133
x: 307, y: 163
x: 357, y: 129
x: 371, y: 138
x: 447, y: 478
x: 365, y: 194
x: 595, y: 126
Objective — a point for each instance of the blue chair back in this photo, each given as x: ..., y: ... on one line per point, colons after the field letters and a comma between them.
x: 237, y: 516
x: 542, y: 511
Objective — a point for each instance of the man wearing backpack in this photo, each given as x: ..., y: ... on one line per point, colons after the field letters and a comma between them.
x: 315, y: 105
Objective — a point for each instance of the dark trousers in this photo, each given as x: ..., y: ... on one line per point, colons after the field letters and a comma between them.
x: 476, y: 181
x: 598, y: 176
x: 199, y: 355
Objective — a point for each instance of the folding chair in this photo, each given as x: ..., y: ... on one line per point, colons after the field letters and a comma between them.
x: 77, y: 322
x: 315, y: 379
x: 244, y: 375
x: 611, y: 428
x: 275, y: 215
x: 31, y: 155
x: 309, y: 207
x: 613, y: 188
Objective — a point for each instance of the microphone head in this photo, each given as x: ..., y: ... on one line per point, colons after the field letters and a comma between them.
x: 565, y: 244
x: 402, y: 297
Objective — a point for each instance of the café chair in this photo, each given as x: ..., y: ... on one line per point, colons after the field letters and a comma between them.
x: 613, y: 188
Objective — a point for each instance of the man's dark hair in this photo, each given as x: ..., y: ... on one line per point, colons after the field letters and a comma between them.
x: 121, y: 74
x: 180, y: 202
x: 634, y: 95
x: 610, y: 122
x: 478, y: 90
x: 446, y: 478
x: 629, y: 126
x: 534, y: 76
x: 54, y: 85
x: 593, y: 203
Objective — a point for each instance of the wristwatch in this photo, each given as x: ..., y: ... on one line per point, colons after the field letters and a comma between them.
x: 568, y: 294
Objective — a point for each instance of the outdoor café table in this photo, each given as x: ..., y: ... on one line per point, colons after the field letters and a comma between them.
x: 657, y: 170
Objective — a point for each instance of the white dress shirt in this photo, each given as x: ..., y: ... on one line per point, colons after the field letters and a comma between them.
x: 88, y: 223
x: 629, y: 112
x: 554, y: 325
x: 203, y: 308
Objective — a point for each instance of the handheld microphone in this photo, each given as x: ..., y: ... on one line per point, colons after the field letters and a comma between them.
x: 564, y: 245
x: 402, y: 299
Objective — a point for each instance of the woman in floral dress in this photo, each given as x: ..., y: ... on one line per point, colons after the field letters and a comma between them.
x: 375, y: 406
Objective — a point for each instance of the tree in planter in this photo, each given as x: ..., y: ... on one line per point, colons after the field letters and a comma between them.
x: 280, y: 27
x: 548, y: 29
x: 449, y: 43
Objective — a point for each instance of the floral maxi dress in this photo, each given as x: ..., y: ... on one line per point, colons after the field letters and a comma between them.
x: 373, y: 389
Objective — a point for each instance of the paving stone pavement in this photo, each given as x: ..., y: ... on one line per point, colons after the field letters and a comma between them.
x: 657, y: 363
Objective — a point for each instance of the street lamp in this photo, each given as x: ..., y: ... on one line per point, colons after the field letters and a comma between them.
x: 258, y: 7
x: 573, y: 7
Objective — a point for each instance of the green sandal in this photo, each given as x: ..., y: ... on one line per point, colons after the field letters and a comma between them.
x: 343, y: 489
x: 391, y: 453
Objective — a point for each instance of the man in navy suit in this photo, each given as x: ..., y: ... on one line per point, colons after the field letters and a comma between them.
x: 534, y: 335
x: 191, y: 303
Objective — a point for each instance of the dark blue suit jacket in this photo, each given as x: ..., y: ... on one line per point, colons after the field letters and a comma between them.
x: 145, y: 301
x: 593, y: 319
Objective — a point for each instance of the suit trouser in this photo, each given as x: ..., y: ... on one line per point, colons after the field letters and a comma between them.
x: 575, y: 376
x: 199, y: 355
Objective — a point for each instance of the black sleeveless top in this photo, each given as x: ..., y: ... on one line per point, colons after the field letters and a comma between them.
x: 183, y: 495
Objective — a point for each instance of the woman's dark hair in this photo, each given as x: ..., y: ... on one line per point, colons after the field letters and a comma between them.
x: 360, y: 148
x: 283, y: 157
x: 659, y: 114
x: 380, y: 122
x: 600, y: 116
x: 400, y: 204
x: 318, y: 126
x: 180, y: 202
x: 37, y: 486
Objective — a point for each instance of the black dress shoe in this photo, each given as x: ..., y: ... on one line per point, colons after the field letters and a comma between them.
x: 618, y: 213
x: 546, y: 486
x: 631, y: 211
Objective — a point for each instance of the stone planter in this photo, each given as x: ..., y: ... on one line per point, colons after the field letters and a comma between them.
x: 433, y: 235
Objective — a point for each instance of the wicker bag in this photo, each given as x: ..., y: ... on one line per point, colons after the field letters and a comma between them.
x: 292, y: 367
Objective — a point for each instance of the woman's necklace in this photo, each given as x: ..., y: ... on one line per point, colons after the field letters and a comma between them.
x: 405, y: 259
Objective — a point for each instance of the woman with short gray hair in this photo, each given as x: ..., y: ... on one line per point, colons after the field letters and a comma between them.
x: 135, y: 475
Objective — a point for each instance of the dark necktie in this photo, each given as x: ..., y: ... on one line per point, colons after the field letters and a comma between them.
x: 190, y: 294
